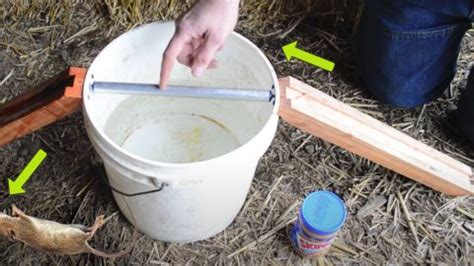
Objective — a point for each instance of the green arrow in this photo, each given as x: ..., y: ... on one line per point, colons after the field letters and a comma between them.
x: 290, y: 51
x: 16, y: 187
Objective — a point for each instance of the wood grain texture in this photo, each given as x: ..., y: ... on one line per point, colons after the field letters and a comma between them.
x: 34, y: 98
x: 42, y: 105
x: 324, y: 116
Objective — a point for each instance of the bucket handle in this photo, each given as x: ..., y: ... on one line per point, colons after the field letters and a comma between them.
x: 105, y: 179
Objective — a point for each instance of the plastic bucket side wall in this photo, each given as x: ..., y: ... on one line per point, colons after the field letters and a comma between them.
x: 150, y: 213
x: 198, y: 212
x: 203, y: 203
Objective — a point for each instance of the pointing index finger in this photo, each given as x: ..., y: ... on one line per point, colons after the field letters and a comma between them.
x: 169, y: 56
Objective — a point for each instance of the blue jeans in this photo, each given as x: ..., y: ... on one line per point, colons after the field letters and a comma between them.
x: 407, y: 51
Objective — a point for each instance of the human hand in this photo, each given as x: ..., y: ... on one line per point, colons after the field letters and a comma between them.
x: 199, y: 34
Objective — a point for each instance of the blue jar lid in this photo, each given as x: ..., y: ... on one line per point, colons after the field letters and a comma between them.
x: 323, y: 212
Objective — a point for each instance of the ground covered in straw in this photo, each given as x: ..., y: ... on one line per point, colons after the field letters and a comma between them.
x: 38, y: 38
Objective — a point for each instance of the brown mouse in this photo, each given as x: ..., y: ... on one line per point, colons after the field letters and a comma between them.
x: 52, y: 237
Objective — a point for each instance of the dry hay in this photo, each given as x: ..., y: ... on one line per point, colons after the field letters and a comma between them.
x: 40, y: 38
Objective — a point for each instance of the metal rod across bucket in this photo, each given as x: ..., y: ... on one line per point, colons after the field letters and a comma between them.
x: 183, y: 91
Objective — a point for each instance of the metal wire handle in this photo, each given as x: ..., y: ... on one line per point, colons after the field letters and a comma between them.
x: 107, y: 183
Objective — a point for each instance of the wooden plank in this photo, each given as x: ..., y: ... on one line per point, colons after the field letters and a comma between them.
x: 34, y: 98
x: 324, y: 116
x: 40, y: 106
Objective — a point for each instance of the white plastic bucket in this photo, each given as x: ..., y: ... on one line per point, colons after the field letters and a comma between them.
x: 202, y: 153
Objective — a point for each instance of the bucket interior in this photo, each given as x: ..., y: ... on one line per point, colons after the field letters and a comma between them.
x: 170, y: 129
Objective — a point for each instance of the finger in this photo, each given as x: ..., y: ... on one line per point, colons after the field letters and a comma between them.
x: 186, y: 55
x: 186, y: 60
x: 213, y: 64
x: 189, y: 51
x: 169, y: 56
x: 204, y: 56
x: 196, y: 43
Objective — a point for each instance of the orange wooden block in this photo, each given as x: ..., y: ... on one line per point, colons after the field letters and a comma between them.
x: 57, y: 108
x: 41, y: 117
x: 42, y: 105
x: 79, y: 75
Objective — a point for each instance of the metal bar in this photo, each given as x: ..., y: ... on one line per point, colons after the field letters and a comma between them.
x: 183, y: 91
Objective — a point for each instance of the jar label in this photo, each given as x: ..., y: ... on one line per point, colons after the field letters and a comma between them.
x: 308, y: 247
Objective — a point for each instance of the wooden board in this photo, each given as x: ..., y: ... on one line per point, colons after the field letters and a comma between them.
x: 324, y: 116
x: 42, y: 105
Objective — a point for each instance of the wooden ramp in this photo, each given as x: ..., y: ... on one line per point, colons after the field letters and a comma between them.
x: 324, y: 116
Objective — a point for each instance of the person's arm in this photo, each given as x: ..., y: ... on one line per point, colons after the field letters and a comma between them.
x: 199, y: 34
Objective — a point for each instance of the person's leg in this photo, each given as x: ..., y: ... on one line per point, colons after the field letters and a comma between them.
x: 465, y: 113
x: 406, y: 50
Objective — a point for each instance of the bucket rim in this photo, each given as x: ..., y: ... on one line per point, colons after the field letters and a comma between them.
x: 111, y: 144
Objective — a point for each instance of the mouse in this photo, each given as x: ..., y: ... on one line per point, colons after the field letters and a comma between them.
x: 53, y: 237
